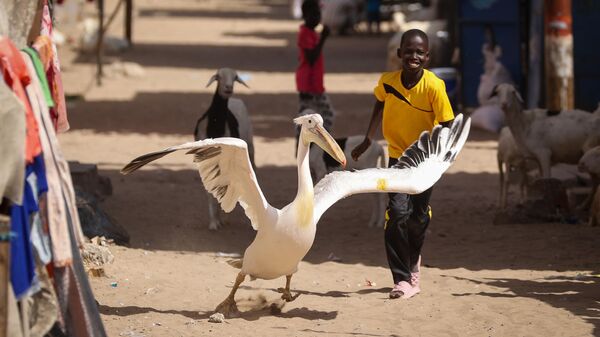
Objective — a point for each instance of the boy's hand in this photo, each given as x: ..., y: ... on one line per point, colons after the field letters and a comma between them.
x: 325, y: 32
x: 360, y: 149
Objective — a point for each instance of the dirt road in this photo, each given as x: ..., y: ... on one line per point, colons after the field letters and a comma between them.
x: 478, y: 280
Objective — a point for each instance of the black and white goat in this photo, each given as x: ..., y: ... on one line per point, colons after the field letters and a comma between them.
x: 226, y: 117
x: 321, y: 164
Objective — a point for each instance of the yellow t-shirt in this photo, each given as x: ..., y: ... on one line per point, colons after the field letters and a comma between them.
x: 408, y: 112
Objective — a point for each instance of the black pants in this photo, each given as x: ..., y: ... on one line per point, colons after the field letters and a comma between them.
x: 405, y: 230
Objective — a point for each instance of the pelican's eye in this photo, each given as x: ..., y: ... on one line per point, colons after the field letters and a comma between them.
x: 309, y: 121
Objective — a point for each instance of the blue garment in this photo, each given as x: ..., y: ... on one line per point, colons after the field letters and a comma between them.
x: 22, y: 262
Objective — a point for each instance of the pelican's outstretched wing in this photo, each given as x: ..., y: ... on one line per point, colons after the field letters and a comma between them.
x: 225, y: 170
x: 420, y: 166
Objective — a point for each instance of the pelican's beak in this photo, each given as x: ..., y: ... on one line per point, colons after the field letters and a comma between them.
x: 325, y: 141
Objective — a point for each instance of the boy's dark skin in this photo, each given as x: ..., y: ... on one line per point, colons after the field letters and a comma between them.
x: 312, y: 18
x: 414, y: 53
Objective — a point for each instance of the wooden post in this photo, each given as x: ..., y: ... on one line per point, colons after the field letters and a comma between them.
x: 4, y: 274
x: 128, y: 21
x: 100, y: 42
x: 559, y: 55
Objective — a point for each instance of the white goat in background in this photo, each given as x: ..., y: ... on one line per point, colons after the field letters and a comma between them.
x: 375, y: 156
x: 549, y: 137
x: 226, y: 117
x: 512, y: 161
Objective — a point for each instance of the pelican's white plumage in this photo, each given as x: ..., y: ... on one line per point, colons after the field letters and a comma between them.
x: 421, y: 165
x: 284, y: 236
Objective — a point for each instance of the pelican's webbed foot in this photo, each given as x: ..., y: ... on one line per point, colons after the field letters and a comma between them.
x: 228, y: 308
x: 287, y: 294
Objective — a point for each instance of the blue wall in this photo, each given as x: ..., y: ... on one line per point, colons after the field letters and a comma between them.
x: 586, y: 53
x: 474, y: 15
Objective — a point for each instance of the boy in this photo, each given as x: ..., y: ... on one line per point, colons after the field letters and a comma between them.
x: 309, y: 75
x: 409, y: 101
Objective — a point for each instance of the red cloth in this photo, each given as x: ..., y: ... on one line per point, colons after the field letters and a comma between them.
x: 59, y: 111
x: 16, y: 76
x: 309, y: 79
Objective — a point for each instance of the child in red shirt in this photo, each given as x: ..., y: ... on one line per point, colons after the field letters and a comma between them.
x: 309, y: 75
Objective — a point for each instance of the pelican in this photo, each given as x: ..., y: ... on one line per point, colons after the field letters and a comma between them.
x: 285, y: 235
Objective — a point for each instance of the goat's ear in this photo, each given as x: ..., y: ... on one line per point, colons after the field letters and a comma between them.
x: 238, y: 79
x: 212, y: 79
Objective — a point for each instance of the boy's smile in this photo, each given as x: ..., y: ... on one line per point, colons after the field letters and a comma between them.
x: 414, y: 54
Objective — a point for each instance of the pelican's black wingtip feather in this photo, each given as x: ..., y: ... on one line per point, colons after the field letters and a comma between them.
x: 433, y: 144
x: 143, y: 160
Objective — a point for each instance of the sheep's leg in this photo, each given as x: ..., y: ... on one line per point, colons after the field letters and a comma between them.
x: 378, y: 211
x: 214, y: 213
x: 585, y: 205
x: 502, y: 196
x: 543, y: 156
x: 287, y: 294
x: 524, y: 181
x: 381, y: 209
x: 228, y: 307
x: 374, y: 210
x: 595, y: 210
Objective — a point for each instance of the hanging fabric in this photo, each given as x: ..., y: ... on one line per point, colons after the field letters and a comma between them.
x: 12, y: 151
x: 16, y: 77
x: 56, y: 170
x: 53, y: 72
x: 22, y: 263
x: 78, y: 312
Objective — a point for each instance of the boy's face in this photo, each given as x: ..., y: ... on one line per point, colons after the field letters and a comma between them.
x: 312, y: 18
x: 414, y: 54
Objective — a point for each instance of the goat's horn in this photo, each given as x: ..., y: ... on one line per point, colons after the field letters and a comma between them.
x: 238, y: 79
x: 212, y: 79
x: 494, y: 91
x: 519, y: 98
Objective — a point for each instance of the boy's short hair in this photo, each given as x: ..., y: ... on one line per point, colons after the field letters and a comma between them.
x: 310, y: 5
x: 414, y: 32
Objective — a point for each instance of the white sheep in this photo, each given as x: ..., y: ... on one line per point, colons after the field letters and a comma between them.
x: 590, y: 163
x: 375, y: 156
x: 512, y: 161
x: 339, y: 15
x: 226, y: 117
x: 549, y: 137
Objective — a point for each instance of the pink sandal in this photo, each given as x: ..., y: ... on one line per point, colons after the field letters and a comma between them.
x: 401, y: 289
x: 415, y: 276
x: 405, y: 289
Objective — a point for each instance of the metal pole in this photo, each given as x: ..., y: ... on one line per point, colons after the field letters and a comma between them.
x: 128, y: 21
x: 100, y: 43
x: 559, y: 55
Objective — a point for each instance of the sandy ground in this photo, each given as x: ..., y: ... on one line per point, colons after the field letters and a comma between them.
x: 478, y: 280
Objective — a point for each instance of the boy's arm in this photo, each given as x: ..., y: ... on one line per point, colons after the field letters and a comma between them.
x: 373, y: 125
x: 313, y: 54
